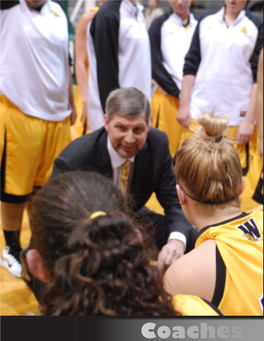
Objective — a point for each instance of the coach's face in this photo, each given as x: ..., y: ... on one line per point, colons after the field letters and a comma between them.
x: 127, y: 134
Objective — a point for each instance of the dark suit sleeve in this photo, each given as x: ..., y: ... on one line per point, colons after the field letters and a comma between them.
x: 61, y: 165
x: 167, y: 196
x: 105, y: 30
x: 159, y: 72
x: 74, y: 156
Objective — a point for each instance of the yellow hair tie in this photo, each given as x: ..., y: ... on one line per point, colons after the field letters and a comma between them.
x: 97, y: 214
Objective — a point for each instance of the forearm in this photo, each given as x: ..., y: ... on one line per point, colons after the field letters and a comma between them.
x: 81, y: 63
x: 71, y: 97
x: 251, y: 112
x: 82, y: 80
x: 187, y: 85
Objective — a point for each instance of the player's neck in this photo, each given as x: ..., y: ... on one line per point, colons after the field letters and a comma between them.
x: 211, y: 215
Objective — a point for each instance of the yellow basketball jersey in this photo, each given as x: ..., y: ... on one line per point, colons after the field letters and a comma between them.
x: 239, y: 263
x: 188, y: 305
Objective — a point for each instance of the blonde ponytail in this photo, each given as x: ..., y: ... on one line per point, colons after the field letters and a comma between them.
x: 208, y: 164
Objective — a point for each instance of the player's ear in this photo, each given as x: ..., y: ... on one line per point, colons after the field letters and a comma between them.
x: 242, y: 185
x: 181, y: 195
x: 36, y: 266
x: 139, y: 235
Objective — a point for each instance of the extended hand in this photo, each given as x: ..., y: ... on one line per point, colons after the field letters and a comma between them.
x: 73, y: 115
x: 245, y: 132
x: 173, y: 250
x: 84, y: 115
x: 184, y: 116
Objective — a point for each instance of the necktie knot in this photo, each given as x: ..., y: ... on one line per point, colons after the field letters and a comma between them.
x: 124, y: 175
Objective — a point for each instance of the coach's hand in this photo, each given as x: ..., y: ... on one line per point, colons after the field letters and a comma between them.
x: 173, y: 250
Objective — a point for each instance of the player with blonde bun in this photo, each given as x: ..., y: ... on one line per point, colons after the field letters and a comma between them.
x: 226, y: 266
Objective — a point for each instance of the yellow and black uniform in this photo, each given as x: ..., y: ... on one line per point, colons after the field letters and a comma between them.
x: 187, y: 305
x: 239, y: 263
x: 34, y: 96
x: 170, y: 40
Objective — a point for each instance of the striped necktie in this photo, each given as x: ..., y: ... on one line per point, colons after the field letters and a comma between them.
x: 124, y: 175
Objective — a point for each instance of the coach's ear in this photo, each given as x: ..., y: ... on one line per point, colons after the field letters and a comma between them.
x: 106, y: 122
x: 36, y: 266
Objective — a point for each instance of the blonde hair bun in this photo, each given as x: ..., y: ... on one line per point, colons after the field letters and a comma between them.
x: 213, y: 126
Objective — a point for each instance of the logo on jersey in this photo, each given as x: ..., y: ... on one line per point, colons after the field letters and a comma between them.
x: 56, y: 14
x: 251, y: 231
x: 242, y: 113
x: 243, y: 29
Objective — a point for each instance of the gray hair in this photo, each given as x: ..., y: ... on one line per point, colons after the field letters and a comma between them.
x: 128, y: 102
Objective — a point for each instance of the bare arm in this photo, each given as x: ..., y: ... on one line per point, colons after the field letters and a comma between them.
x: 194, y: 273
x: 81, y: 64
x: 260, y: 103
x: 71, y: 100
x: 246, y: 128
x: 183, y: 115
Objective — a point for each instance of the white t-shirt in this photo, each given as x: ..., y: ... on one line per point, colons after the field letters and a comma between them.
x: 34, y: 60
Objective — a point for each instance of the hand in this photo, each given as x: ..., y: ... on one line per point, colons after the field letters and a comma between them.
x: 84, y: 116
x: 73, y: 115
x: 173, y: 250
x: 184, y: 116
x: 245, y: 132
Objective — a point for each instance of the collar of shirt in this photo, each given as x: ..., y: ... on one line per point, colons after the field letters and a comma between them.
x: 178, y: 20
x: 239, y: 17
x: 133, y: 9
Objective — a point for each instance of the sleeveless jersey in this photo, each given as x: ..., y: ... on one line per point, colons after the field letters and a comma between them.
x: 239, y: 262
x: 188, y: 305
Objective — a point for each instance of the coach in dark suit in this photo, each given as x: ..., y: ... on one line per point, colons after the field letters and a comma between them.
x: 127, y: 135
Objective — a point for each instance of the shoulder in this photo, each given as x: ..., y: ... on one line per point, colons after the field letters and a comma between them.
x: 85, y: 144
x: 258, y: 22
x: 106, y: 18
x: 109, y: 10
x: 55, y: 6
x: 86, y: 18
x: 157, y: 136
x: 200, y: 264
x: 158, y: 22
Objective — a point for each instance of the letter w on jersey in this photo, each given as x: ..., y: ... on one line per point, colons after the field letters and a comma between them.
x: 251, y: 231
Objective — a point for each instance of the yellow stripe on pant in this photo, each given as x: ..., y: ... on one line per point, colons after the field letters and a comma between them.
x: 164, y: 111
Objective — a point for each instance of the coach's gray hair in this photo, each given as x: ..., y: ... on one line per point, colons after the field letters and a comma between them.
x: 128, y: 102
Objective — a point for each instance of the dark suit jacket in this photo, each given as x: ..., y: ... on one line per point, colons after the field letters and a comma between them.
x: 152, y: 172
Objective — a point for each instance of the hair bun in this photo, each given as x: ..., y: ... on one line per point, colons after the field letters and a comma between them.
x: 213, y: 126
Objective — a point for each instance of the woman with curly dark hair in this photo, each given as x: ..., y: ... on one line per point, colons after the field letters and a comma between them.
x: 91, y: 253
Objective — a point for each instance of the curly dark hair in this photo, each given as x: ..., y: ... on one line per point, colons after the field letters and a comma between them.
x: 97, y: 266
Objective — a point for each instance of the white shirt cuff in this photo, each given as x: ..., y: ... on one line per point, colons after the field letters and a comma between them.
x: 178, y: 236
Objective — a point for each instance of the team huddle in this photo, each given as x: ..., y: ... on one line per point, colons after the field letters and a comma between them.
x: 172, y: 110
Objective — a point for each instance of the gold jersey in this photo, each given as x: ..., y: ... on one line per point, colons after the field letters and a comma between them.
x: 188, y: 305
x: 239, y: 264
